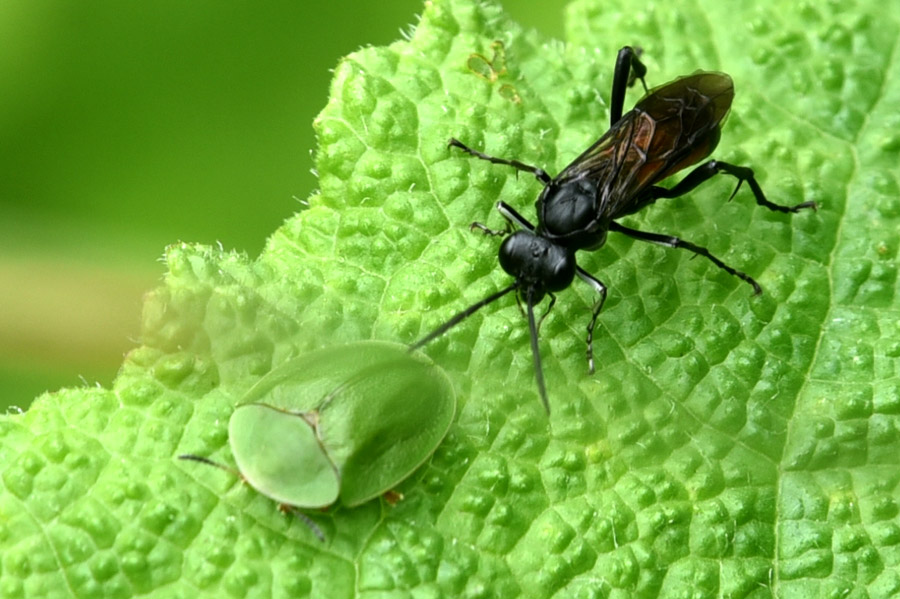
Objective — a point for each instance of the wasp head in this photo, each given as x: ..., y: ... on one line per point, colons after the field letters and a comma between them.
x: 537, y: 263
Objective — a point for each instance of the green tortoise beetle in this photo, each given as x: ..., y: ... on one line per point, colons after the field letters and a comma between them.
x: 341, y: 424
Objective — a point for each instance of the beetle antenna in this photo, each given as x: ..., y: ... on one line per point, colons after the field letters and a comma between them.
x: 460, y: 317
x: 535, y: 352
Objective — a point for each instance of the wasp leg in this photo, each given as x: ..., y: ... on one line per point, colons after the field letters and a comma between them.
x: 544, y: 315
x: 547, y: 311
x: 512, y: 216
x: 675, y: 242
x: 600, y: 288
x: 539, y: 173
x: 490, y: 232
x: 710, y: 169
x: 628, y: 68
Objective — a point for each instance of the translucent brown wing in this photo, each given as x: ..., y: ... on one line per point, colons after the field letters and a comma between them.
x: 672, y: 127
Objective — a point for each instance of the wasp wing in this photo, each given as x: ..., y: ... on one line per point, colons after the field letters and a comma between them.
x: 672, y: 127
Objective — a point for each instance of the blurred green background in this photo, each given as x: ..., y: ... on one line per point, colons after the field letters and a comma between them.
x: 125, y: 127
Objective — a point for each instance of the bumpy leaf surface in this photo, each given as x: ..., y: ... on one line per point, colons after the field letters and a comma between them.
x: 728, y: 445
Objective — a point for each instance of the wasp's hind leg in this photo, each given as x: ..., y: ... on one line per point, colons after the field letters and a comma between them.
x: 628, y: 68
x: 710, y: 169
x: 675, y: 242
x: 539, y: 173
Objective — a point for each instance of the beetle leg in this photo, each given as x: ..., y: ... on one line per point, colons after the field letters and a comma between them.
x: 628, y: 68
x: 539, y: 173
x: 675, y: 242
x: 600, y: 288
x: 710, y: 169
x: 313, y: 527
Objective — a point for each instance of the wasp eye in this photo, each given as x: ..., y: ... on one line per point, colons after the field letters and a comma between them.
x: 560, y: 269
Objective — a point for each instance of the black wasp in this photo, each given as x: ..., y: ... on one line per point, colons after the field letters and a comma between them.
x: 672, y: 127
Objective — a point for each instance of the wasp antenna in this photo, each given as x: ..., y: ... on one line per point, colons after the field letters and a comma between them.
x: 535, y: 352
x: 460, y: 317
x: 209, y: 462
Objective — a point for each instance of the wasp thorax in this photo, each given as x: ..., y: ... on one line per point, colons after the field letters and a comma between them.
x: 569, y: 207
x: 537, y: 262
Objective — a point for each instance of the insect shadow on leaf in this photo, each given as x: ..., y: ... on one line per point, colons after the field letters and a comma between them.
x: 672, y: 127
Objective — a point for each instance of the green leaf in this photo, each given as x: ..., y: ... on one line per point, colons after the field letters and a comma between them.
x: 728, y: 445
